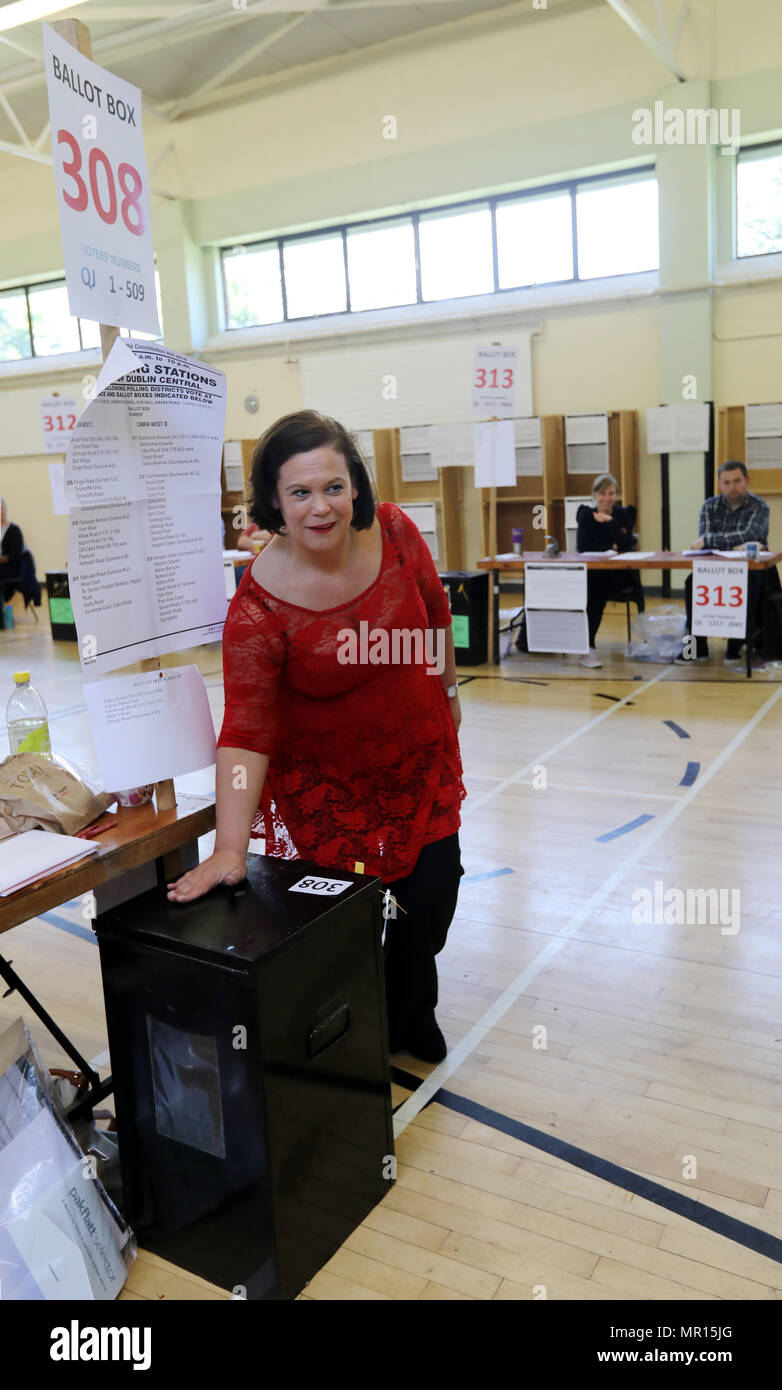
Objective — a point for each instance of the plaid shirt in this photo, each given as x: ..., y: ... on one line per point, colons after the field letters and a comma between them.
x: 723, y: 529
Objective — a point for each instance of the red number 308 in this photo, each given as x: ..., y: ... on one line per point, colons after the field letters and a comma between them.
x: 129, y: 182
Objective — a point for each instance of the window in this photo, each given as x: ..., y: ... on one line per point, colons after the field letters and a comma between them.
x: 617, y: 228
x: 450, y: 253
x: 456, y: 253
x: 759, y: 201
x: 535, y: 240
x: 381, y: 265
x: 54, y: 330
x: 14, y: 327
x: 315, y: 276
x: 253, y: 285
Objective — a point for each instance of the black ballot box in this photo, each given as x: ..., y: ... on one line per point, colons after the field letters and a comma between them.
x: 249, y: 1055
x: 60, y: 610
x: 468, y: 598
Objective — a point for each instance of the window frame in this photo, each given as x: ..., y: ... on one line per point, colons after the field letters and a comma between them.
x: 570, y: 185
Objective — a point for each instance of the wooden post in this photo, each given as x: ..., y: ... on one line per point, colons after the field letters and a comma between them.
x: 78, y: 35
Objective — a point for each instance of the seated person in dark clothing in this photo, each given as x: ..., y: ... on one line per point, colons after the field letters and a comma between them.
x: 605, y: 526
x: 727, y: 522
x: 11, y: 550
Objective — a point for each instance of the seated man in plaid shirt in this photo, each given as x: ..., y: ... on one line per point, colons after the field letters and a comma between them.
x: 727, y: 522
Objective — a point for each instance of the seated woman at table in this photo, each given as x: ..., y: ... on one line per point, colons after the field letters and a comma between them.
x: 604, y: 526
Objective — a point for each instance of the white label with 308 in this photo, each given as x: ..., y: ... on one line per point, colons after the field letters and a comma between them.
x: 325, y: 886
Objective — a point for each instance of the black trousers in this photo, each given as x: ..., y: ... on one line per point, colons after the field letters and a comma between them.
x: 417, y: 935
x: 754, y: 603
x: 602, y: 587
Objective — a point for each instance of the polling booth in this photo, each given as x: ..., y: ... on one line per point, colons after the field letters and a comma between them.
x: 249, y: 1054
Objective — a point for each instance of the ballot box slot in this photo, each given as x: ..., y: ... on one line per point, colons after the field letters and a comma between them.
x: 325, y: 1034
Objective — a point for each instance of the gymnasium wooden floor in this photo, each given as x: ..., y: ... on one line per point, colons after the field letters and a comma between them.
x: 663, y: 1043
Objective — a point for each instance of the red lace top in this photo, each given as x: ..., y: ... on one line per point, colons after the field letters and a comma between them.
x: 364, y: 760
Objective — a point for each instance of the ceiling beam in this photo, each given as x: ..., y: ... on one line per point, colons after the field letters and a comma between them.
x: 24, y: 153
x: 663, y: 52
x: 244, y: 58
x: 14, y: 119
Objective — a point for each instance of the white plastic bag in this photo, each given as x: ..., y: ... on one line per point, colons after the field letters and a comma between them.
x: 61, y: 1237
x: 658, y: 633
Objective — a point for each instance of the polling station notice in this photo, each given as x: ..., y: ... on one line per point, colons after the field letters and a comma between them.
x: 142, y: 479
x: 100, y: 171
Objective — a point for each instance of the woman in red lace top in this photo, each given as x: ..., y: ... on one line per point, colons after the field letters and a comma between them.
x: 339, y: 742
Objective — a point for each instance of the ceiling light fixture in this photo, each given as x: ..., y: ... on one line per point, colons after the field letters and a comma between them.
x: 27, y: 11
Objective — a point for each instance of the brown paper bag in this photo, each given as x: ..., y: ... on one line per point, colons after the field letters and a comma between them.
x: 37, y: 794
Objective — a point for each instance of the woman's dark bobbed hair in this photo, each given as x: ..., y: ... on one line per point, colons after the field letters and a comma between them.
x: 298, y: 434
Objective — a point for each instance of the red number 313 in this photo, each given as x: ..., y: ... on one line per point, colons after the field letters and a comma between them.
x: 104, y: 200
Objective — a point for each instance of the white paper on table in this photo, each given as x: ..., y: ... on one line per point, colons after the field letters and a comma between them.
x: 552, y: 630
x: 107, y: 239
x: 677, y: 429
x: 555, y: 584
x: 495, y: 455
x: 34, y: 853
x: 234, y: 467
x: 150, y: 726
x: 57, y: 485
x: 586, y: 429
x: 58, y: 417
x: 142, y: 477
x: 632, y: 554
x: 719, y: 597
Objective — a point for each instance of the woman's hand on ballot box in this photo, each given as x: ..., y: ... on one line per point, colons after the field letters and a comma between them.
x: 224, y: 866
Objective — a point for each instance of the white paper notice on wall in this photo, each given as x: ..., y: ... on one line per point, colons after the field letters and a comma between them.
x: 453, y: 446
x: 495, y: 455
x: 719, y: 598
x: 58, y: 417
x: 677, y: 429
x: 100, y: 173
x: 553, y: 584
x: 763, y: 421
x: 586, y: 429
x: 494, y: 381
x: 234, y: 468
x: 150, y: 726
x: 57, y: 485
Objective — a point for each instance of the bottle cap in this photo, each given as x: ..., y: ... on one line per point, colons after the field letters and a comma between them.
x: 21, y: 676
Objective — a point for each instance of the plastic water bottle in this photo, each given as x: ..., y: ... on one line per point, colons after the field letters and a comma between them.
x: 27, y: 719
x: 8, y: 617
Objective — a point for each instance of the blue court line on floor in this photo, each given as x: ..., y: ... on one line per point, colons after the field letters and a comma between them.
x: 690, y: 773
x: 677, y: 729
x: 480, y: 878
x: 73, y: 928
x: 623, y: 829
x: 762, y: 1242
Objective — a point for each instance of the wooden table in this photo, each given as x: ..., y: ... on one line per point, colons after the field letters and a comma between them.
x: 658, y: 560
x: 146, y: 847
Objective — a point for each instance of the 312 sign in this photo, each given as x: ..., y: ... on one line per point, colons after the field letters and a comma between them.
x: 58, y: 417
x: 719, y: 598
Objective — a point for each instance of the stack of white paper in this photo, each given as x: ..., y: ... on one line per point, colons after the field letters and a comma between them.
x: 35, y: 853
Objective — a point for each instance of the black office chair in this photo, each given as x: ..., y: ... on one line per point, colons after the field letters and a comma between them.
x: 631, y: 592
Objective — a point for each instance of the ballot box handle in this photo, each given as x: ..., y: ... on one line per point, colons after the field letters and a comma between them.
x: 324, y: 1034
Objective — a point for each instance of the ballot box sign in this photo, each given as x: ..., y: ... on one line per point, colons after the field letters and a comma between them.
x: 719, y: 598
x: 494, y: 381
x: 58, y: 417
x: 100, y: 172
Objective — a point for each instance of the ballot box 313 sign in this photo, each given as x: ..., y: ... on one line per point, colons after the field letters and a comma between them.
x: 719, y: 598
x: 100, y: 171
